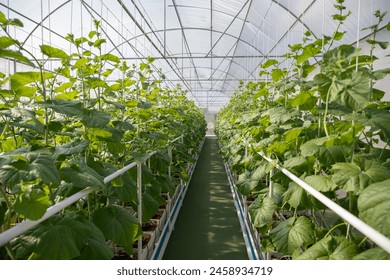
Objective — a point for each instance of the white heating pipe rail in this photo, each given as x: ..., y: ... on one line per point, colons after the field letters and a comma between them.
x: 375, y: 236
x: 21, y: 228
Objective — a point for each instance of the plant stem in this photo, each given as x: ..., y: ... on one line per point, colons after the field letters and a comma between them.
x: 333, y: 228
x: 327, y: 106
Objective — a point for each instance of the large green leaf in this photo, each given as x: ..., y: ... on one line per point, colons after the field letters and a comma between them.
x: 322, y: 183
x: 377, y: 119
x: 66, y: 107
x: 53, y: 52
x: 293, y: 234
x: 82, y: 176
x: 15, y: 55
x: 31, y: 166
x: 95, y: 118
x: 6, y: 41
x: 296, y: 196
x: 52, y: 240
x: 331, y: 248
x: 374, y: 206
x: 71, y: 148
x: 150, y: 205
x: 262, y: 210
x: 376, y: 253
x: 246, y: 183
x: 118, y: 225
x: 353, y: 92
x: 32, y: 204
x: 95, y: 246
x: 20, y: 79
x: 353, y: 178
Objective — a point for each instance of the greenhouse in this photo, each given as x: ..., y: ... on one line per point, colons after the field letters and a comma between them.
x: 195, y: 130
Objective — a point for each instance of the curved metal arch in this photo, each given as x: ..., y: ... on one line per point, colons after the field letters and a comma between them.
x: 297, y: 18
x: 193, y: 28
x: 40, y: 23
x: 231, y: 60
x: 216, y: 70
x: 208, y: 9
x: 223, y: 72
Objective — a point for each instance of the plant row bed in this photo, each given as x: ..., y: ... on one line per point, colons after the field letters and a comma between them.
x: 68, y: 128
x: 326, y: 123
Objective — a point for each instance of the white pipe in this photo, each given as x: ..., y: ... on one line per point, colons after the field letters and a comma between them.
x: 377, y: 237
x: 24, y: 226
x: 119, y: 172
x: 21, y: 228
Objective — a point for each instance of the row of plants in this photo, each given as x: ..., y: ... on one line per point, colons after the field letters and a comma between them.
x: 326, y: 123
x: 66, y: 129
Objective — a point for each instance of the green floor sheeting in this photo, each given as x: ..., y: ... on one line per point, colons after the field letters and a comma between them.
x: 207, y: 226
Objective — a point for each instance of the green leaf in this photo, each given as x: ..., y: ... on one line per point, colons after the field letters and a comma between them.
x: 16, y: 55
x: 376, y: 253
x: 262, y: 210
x: 91, y: 34
x: 3, y: 19
x: 99, y: 42
x: 339, y: 35
x: 293, y: 234
x: 96, y: 82
x: 382, y: 44
x: 82, y: 176
x: 245, y: 184
x: 145, y: 105
x: 6, y: 41
x: 72, y: 148
x: 20, y: 79
x: 331, y: 248
x: 118, y: 225
x: 66, y: 107
x: 110, y: 57
x: 354, y: 93
x: 304, y: 100
x: 32, y: 204
x: 95, y: 118
x: 309, y: 51
x: 95, y: 247
x: 53, y: 52
x: 374, y: 206
x: 150, y: 205
x: 377, y: 119
x: 56, y: 242
x: 278, y: 74
x: 296, y: 196
x: 269, y: 63
x: 15, y: 22
x: 321, y: 183
x: 34, y: 165
x: 353, y: 178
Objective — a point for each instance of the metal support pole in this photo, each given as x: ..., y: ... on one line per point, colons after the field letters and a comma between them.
x: 139, y: 188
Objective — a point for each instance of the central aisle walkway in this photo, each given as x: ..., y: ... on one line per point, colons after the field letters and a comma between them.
x: 207, y: 226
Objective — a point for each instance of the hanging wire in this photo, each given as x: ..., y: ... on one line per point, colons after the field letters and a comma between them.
x: 358, y: 33
x: 71, y: 25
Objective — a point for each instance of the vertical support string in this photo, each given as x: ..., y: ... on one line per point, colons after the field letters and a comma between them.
x: 139, y: 210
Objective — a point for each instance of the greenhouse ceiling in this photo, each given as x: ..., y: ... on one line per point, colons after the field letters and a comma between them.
x: 206, y: 46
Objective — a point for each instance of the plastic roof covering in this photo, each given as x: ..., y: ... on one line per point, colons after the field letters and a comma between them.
x: 207, y: 46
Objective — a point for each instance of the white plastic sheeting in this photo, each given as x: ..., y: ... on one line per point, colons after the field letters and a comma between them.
x: 207, y: 46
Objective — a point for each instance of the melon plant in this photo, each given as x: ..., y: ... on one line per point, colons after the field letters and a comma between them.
x: 65, y: 129
x: 326, y: 123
